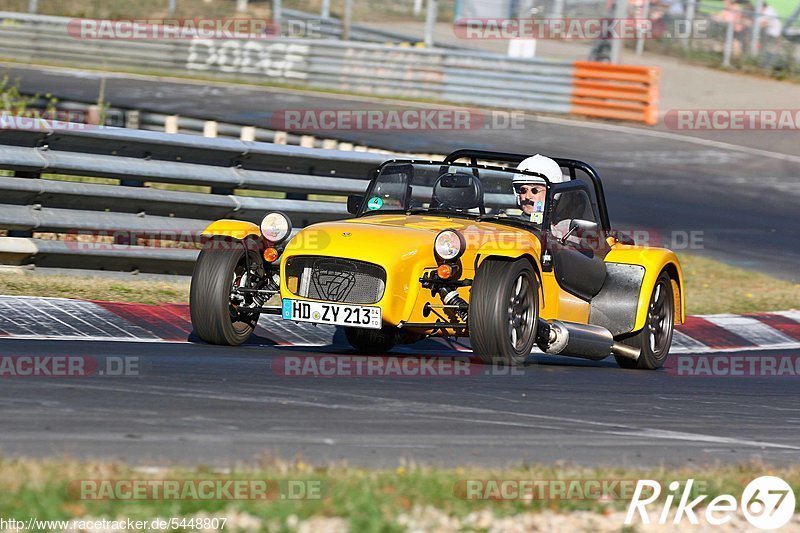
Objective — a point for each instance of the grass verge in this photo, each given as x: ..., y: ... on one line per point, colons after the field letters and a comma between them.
x: 87, y: 287
x: 711, y: 287
x: 416, y: 498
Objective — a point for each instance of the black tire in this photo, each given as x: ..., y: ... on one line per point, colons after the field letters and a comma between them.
x: 370, y: 341
x: 503, y: 311
x: 213, y: 318
x: 655, y: 339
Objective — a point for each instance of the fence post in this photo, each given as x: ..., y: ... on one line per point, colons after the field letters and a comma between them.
x: 326, y: 9
x: 691, y: 7
x: 726, y: 53
x: 347, y: 19
x: 620, y: 9
x: 639, y: 37
x: 755, y: 39
x: 277, y: 14
x: 430, y: 22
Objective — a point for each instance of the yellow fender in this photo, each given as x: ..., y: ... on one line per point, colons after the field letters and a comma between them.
x: 236, y: 229
x: 654, y: 261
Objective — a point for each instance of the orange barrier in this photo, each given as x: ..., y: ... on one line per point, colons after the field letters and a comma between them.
x: 622, y: 92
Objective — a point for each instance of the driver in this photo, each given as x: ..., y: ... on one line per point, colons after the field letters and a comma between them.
x: 531, y: 190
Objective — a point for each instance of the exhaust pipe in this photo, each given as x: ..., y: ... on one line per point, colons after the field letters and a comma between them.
x: 583, y: 340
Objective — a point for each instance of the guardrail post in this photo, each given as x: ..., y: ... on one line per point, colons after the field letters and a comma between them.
x: 248, y: 133
x: 325, y: 13
x: 171, y: 124
x: 279, y: 138
x: 33, y: 6
x: 210, y: 128
x: 132, y: 119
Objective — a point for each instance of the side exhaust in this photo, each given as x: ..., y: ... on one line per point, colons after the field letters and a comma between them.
x: 581, y: 340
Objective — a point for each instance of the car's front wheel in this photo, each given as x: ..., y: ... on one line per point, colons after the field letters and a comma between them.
x: 655, y: 339
x: 215, y: 307
x: 503, y: 311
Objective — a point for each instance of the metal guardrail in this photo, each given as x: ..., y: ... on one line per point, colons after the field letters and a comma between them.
x: 233, y: 170
x: 463, y: 77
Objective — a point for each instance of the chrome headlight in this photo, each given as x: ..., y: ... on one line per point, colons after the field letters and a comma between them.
x: 276, y: 227
x: 449, y: 245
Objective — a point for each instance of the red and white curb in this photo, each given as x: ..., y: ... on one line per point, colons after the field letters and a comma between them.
x: 25, y: 317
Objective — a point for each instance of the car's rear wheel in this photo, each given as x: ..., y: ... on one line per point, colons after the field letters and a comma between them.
x: 655, y: 339
x: 218, y: 316
x: 503, y: 311
x: 370, y: 341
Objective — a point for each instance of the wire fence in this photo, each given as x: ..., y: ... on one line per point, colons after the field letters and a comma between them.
x: 742, y: 34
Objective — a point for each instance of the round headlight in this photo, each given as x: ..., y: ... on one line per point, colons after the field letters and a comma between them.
x: 276, y: 227
x: 449, y: 245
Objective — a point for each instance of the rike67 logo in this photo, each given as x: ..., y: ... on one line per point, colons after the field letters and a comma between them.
x: 767, y: 502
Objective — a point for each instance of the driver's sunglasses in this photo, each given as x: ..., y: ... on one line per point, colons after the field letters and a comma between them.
x: 525, y: 189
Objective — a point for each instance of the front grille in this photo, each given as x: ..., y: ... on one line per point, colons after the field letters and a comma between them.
x: 335, y: 280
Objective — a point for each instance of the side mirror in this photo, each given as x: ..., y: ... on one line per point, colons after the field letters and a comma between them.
x: 354, y: 203
x: 578, y: 226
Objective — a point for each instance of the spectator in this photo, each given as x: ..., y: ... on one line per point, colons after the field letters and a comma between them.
x: 771, y: 21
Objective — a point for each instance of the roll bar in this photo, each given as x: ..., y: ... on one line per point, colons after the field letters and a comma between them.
x: 572, y: 164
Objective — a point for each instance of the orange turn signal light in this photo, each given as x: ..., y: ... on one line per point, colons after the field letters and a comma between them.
x: 270, y: 255
x: 444, y: 271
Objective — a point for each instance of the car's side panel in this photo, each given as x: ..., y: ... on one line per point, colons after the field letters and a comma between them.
x: 237, y: 229
x: 616, y: 305
x: 654, y: 261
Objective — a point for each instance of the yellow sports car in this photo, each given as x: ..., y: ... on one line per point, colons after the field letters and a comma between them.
x: 508, y: 250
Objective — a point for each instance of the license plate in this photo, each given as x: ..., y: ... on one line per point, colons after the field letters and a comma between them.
x: 357, y: 316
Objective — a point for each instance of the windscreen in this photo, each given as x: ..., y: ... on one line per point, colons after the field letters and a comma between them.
x: 456, y: 189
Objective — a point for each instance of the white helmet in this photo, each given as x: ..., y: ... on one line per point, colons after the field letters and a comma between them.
x: 540, y: 165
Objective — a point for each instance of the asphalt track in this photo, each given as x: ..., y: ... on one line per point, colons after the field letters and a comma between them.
x: 197, y: 403
x: 203, y: 404
x: 729, y: 195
